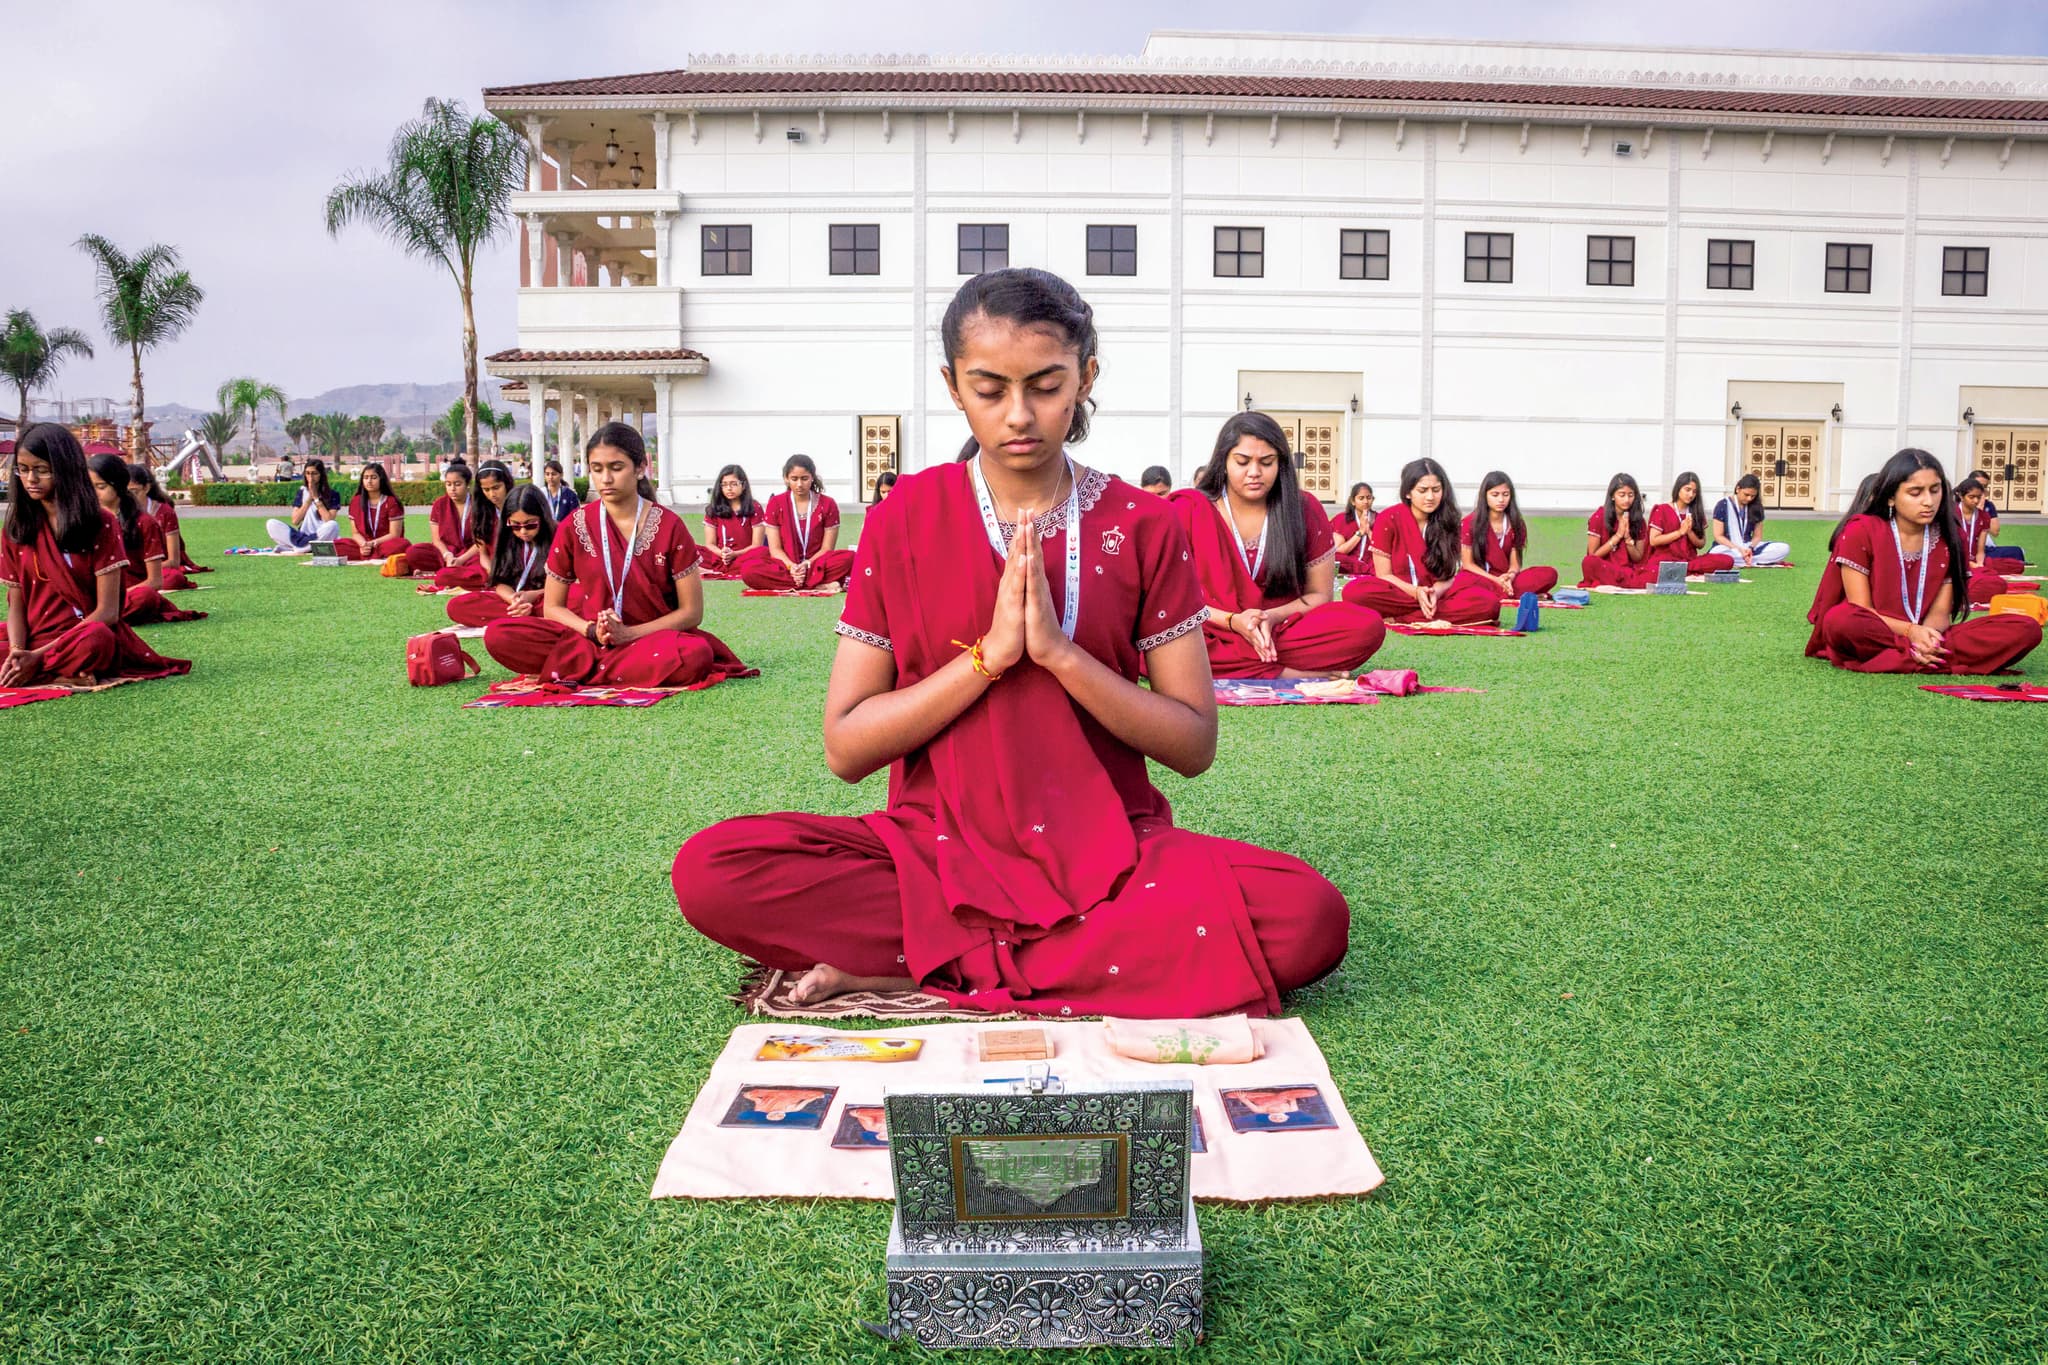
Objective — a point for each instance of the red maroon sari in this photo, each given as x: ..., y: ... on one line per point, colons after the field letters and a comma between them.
x: 380, y: 530
x: 1396, y: 535
x: 1343, y: 526
x: 1495, y: 554
x: 63, y: 591
x: 1332, y: 637
x: 176, y: 575
x: 731, y: 533
x: 1664, y: 518
x: 1025, y: 861
x: 1854, y: 637
x: 662, y: 552
x: 1614, y: 569
x: 799, y: 539
x: 450, y: 526
x: 142, y: 605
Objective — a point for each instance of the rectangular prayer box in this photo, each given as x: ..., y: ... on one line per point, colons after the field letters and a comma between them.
x: 1033, y: 1218
x: 1670, y: 578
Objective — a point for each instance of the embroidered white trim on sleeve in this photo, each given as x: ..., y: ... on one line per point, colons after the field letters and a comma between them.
x: 1152, y: 642
x: 866, y: 637
x: 1849, y: 563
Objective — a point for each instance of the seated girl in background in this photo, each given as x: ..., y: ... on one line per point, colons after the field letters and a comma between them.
x: 623, y: 598
x: 1415, y: 558
x: 1491, y: 541
x: 156, y: 506
x: 316, y: 512
x: 884, y: 482
x: 1351, y: 530
x: 803, y: 528
x: 1617, y: 539
x: 1264, y: 558
x: 61, y: 561
x: 494, y: 482
x: 1025, y: 861
x: 1738, y: 526
x: 735, y: 533
x: 1678, y: 530
x: 562, y: 496
x: 1156, y: 480
x: 1894, y: 577
x: 450, y: 523
x: 517, y: 574
x: 142, y: 542
x: 377, y: 517
x: 1985, y: 583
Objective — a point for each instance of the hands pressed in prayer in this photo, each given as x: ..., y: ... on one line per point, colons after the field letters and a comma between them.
x: 1043, y: 638
x: 612, y: 630
x: 798, y: 570
x: 1004, y: 643
x: 1425, y: 598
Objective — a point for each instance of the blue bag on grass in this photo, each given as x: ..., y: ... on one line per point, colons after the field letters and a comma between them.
x: 1528, y: 616
x: 1577, y: 597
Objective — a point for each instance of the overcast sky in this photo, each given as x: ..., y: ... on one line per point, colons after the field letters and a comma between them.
x: 249, y: 112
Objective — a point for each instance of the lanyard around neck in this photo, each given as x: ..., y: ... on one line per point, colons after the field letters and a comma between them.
x: 604, y: 540
x: 1070, y: 609
x: 1916, y: 605
x: 1738, y: 522
x: 1253, y: 559
x: 803, y: 528
x: 526, y: 568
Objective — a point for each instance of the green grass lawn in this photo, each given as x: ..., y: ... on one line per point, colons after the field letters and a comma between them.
x: 1697, y: 1004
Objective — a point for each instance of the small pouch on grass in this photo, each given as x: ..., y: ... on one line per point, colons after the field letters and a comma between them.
x: 1205, y: 1042
x: 436, y: 660
x: 2022, y: 604
x: 1578, y: 597
x: 394, y: 567
x: 1528, y: 615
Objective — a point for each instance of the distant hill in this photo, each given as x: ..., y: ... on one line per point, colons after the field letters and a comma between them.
x: 412, y: 407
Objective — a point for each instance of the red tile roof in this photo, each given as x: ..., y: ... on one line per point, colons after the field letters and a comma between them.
x: 519, y: 357
x: 1169, y: 84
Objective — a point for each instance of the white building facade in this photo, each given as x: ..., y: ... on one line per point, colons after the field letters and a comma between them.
x: 1559, y: 261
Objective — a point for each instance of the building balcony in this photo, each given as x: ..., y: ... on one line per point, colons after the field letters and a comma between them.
x: 608, y: 203
x: 580, y: 319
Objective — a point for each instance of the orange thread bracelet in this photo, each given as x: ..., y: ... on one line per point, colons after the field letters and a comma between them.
x: 974, y: 657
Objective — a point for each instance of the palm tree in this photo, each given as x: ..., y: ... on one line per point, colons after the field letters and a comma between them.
x: 444, y: 433
x: 217, y: 429
x: 30, y: 357
x: 458, y: 422
x: 247, y: 398
x: 334, y: 430
x: 445, y: 195
x: 145, y: 300
x: 365, y: 432
x: 499, y: 421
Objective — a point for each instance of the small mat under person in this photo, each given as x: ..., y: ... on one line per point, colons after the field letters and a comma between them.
x: 1271, y: 1128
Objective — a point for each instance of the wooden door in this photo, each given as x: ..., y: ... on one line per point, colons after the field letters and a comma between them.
x: 878, y: 451
x: 1314, y: 437
x: 2013, y: 459
x: 1788, y: 458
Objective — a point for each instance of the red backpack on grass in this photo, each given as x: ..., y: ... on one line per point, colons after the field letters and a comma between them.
x: 436, y: 659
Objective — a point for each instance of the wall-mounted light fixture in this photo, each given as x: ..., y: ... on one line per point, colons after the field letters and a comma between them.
x: 1969, y: 417
x: 1837, y: 413
x: 1354, y: 403
x: 1247, y: 400
x: 1735, y: 410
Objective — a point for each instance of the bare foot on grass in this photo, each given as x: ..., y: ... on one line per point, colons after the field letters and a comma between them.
x: 822, y: 982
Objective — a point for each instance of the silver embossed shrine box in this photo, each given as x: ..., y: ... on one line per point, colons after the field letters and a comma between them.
x: 1035, y: 1218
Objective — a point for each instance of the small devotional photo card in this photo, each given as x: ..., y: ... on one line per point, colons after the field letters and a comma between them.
x: 861, y: 1128
x: 800, y: 1107
x: 838, y: 1047
x: 1277, y: 1109
x: 1201, y: 1139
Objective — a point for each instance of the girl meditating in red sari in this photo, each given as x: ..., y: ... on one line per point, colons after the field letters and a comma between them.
x: 735, y: 532
x: 623, y: 599
x: 1886, y: 598
x: 1266, y: 564
x: 1617, y: 539
x: 1415, y: 558
x: 803, y: 528
x: 494, y: 482
x: 1975, y: 526
x: 1491, y: 541
x: 61, y: 561
x: 1678, y: 530
x: 518, y: 569
x: 1025, y: 861
x: 451, y: 522
x: 142, y: 577
x: 377, y: 516
x: 1352, y: 531
x: 156, y: 507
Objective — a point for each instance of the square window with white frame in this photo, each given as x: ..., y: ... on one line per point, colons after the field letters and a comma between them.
x: 1731, y: 263
x: 1848, y: 268
x: 1489, y: 258
x: 1362, y: 253
x: 1611, y: 261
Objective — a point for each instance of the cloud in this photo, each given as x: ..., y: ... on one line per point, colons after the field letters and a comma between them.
x: 249, y: 113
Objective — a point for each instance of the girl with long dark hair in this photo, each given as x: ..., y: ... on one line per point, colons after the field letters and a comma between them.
x: 142, y: 541
x: 156, y: 506
x: 316, y: 512
x: 562, y: 495
x: 451, y: 523
x: 60, y: 560
x: 623, y: 599
x: 1351, y: 529
x: 1266, y: 563
x: 1738, y: 527
x: 803, y: 533
x: 1491, y: 541
x: 992, y: 643
x: 1895, y: 578
x: 735, y: 533
x: 1678, y: 530
x: 1415, y: 557
x: 377, y: 516
x: 494, y: 481
x: 1617, y: 539
x: 1975, y: 533
x: 515, y: 579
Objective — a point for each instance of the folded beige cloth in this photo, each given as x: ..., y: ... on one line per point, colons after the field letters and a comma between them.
x: 1206, y: 1042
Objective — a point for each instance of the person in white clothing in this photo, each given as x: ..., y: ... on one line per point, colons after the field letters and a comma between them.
x: 316, y: 513
x: 1738, y: 527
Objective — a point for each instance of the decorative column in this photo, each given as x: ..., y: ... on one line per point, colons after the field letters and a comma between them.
x: 662, y: 226
x: 569, y: 428
x: 565, y: 152
x: 536, y: 148
x: 565, y: 259
x: 663, y: 443
x: 590, y: 418
x: 536, y: 422
x: 660, y: 168
x: 536, y: 252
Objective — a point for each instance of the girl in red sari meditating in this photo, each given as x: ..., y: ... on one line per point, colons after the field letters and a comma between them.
x: 1265, y: 561
x: 1894, y: 576
x: 377, y: 516
x: 451, y: 524
x: 1491, y: 541
x: 60, y: 561
x: 1415, y: 558
x: 142, y: 577
x: 156, y: 507
x: 803, y: 528
x: 623, y: 600
x: 735, y: 532
x: 1617, y: 539
x: 517, y: 573
x: 1351, y: 529
x: 1678, y: 530
x: 494, y: 482
x: 1025, y: 861
x: 1975, y: 527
